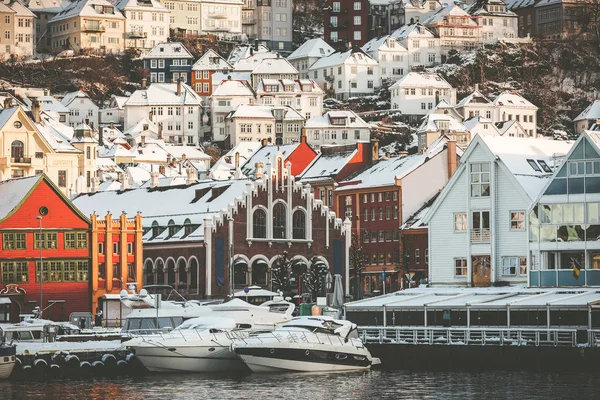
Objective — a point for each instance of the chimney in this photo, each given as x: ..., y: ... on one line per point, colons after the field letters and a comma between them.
x: 179, y: 87
x: 477, y: 86
x: 303, y: 135
x: 95, y: 184
x: 237, y: 160
x: 374, y: 149
x: 264, y: 142
x: 35, y: 110
x: 160, y: 136
x: 251, y: 51
x: 387, y: 154
x: 403, y: 153
x: 183, y: 157
x: 112, y: 125
x: 46, y: 92
x: 154, y: 179
x: 150, y: 115
x: 143, y: 138
x: 256, y: 45
x: 259, y: 170
x: 379, y: 30
x: 144, y: 83
x: 191, y: 176
x: 7, y: 102
x: 125, y: 181
x: 101, y: 137
x: 451, y: 157
x: 168, y: 159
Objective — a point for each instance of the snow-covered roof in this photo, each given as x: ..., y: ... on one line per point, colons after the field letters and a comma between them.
x: 169, y: 50
x: 592, y: 111
x: 356, y: 57
x: 49, y: 6
x: 20, y: 9
x: 13, y: 192
x: 224, y: 167
x: 230, y: 87
x: 59, y: 136
x: 211, y: 61
x: 140, y: 5
x: 143, y: 125
x: 50, y: 104
x: 119, y: 100
x: 219, y: 77
x: 517, y: 4
x: 247, y: 64
x: 433, y: 123
x: 422, y: 79
x: 277, y: 65
x: 471, y: 123
x: 481, y: 7
x: 312, y: 48
x: 266, y: 155
x: 190, y: 152
x: 474, y: 98
x: 452, y: 10
x: 514, y: 153
x: 245, y: 51
x: 297, y: 86
x: 504, y: 126
x: 328, y: 163
x: 79, y: 94
x: 382, y: 43
x: 264, y: 111
x: 89, y: 8
x: 164, y: 94
x: 385, y: 171
x: 511, y: 99
x: 324, y: 121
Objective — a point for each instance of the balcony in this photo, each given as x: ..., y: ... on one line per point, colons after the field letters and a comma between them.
x: 137, y: 35
x: 20, y: 160
x: 218, y: 15
x: 564, y: 278
x: 248, y: 21
x: 93, y: 28
x: 480, y: 235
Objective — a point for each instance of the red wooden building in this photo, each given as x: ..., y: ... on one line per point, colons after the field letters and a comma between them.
x: 38, y: 221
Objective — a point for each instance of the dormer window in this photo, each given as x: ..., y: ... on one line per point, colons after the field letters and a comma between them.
x: 177, y: 49
x: 289, y: 88
x: 161, y: 49
x: 338, y: 121
x: 443, y: 125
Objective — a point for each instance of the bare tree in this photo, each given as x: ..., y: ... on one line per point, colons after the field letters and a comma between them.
x: 314, y: 277
x: 358, y: 262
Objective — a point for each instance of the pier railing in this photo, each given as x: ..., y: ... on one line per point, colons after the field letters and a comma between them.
x: 474, y: 336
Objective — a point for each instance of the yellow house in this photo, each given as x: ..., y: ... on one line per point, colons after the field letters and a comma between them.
x: 33, y: 143
x: 91, y: 25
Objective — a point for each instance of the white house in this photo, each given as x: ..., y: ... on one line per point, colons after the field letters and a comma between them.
x: 510, y: 128
x: 588, y: 117
x: 277, y: 124
x: 416, y: 94
x: 114, y: 112
x: 308, y: 53
x: 476, y: 104
x: 225, y: 98
x: 477, y: 230
x: 219, y: 17
x: 456, y: 29
x: 513, y: 106
x: 273, y: 68
x: 496, y: 20
x: 442, y: 121
x: 146, y: 23
x: 303, y: 95
x: 352, y: 73
x: 415, y: 11
x: 479, y: 125
x: 336, y: 127
x: 422, y: 45
x: 391, y: 56
x: 175, y: 106
x: 81, y: 109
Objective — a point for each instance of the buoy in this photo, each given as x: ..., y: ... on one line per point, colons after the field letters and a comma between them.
x: 98, y: 368
x: 40, y: 367
x: 17, y: 371
x: 122, y: 367
x: 110, y: 364
x: 85, y: 368
x: 71, y: 364
x: 55, y: 370
x: 26, y: 371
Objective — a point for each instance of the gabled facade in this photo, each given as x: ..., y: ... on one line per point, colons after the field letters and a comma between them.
x: 477, y: 229
x: 391, y: 56
x: 38, y: 221
x: 476, y: 104
x: 563, y: 221
x: 44, y: 10
x: 307, y: 54
x: 496, y: 20
x: 82, y: 110
x: 299, y: 154
x: 422, y: 45
x: 415, y: 11
x: 303, y: 95
x: 88, y: 25
x: 169, y: 62
x: 336, y: 128
x: 227, y: 97
x: 512, y: 106
x: 442, y: 121
x: 588, y: 117
x: 23, y: 22
x: 204, y: 69
x: 456, y: 29
x: 146, y: 23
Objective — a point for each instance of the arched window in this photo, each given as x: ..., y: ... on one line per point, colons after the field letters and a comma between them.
x: 172, y: 227
x: 17, y: 149
x: 155, y: 229
x: 299, y: 225
x: 279, y: 221
x: 188, y: 226
x: 259, y: 224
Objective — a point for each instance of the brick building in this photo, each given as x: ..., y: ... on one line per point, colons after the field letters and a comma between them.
x: 346, y: 22
x: 38, y: 221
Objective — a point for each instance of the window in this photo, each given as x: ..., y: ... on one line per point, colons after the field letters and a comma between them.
x: 14, y: 272
x: 116, y: 244
x: 357, y: 35
x: 380, y: 212
x: 381, y: 236
x: 372, y: 214
x: 46, y: 240
x: 481, y: 227
x: 66, y: 271
x: 460, y: 267
x: 299, y: 225
x: 480, y: 180
x: 514, y: 265
x: 17, y: 149
x: 357, y: 5
x: 279, y: 211
x: 460, y: 222
x: 387, y: 213
x: 417, y: 256
x: 517, y: 220
x: 62, y: 178
x: 336, y: 6
x: 427, y: 256
x: 14, y: 241
x: 100, y: 248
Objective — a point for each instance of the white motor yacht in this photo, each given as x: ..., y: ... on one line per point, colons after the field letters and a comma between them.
x: 198, y: 345
x: 7, y: 358
x: 306, y: 344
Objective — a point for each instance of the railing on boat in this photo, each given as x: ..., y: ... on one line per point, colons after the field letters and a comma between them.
x: 294, y: 337
x: 185, y: 334
x: 476, y: 336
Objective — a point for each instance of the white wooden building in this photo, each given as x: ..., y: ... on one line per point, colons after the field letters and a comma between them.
x: 391, y: 56
x: 422, y: 45
x: 336, y: 128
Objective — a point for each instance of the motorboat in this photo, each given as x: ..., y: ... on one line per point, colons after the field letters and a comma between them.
x: 31, y: 329
x: 305, y: 344
x: 7, y: 358
x: 199, y: 345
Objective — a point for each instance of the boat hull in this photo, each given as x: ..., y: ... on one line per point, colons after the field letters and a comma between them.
x: 199, y: 359
x: 301, y: 360
x: 6, y: 367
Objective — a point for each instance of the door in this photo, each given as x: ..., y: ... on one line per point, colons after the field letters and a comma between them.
x: 481, y: 271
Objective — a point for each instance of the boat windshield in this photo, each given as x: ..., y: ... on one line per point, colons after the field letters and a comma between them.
x: 150, y: 324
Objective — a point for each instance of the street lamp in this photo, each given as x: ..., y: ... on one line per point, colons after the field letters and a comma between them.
x: 41, y: 244
x: 383, y: 276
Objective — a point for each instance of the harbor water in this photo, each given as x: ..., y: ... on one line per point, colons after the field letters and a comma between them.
x: 379, y: 384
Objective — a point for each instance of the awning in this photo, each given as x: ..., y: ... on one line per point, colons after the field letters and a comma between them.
x: 5, y: 300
